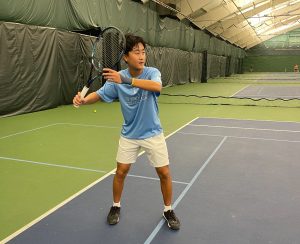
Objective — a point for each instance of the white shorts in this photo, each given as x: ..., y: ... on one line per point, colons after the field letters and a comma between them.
x: 155, y: 148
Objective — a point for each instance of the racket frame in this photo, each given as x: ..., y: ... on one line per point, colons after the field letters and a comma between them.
x: 94, y: 65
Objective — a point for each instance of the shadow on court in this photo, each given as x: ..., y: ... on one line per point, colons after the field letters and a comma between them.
x: 235, y: 181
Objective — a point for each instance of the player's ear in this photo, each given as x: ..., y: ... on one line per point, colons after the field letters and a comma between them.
x: 125, y: 58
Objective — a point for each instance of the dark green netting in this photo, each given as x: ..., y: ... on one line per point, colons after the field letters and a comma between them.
x: 43, y: 68
x: 39, y: 67
x: 128, y: 15
x: 216, y: 66
x: 278, y: 54
x: 271, y: 63
x: 253, y: 89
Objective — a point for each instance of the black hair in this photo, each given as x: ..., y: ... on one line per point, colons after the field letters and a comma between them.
x: 132, y: 41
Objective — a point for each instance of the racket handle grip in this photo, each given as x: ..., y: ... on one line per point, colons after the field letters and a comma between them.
x: 82, y: 94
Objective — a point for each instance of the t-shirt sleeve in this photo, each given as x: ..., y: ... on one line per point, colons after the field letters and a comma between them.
x: 108, y: 92
x: 156, y: 76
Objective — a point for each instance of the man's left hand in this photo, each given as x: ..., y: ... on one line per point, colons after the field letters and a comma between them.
x: 111, y: 75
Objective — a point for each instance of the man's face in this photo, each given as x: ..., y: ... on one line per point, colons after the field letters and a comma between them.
x: 136, y: 58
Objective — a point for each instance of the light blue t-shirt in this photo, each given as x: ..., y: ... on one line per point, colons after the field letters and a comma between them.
x: 139, y: 107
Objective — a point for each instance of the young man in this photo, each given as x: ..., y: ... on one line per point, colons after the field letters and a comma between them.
x: 137, y: 89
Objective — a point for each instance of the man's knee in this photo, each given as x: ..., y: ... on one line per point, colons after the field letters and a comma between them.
x: 163, y: 173
x: 122, y: 170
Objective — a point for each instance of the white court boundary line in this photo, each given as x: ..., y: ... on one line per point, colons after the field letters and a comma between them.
x: 239, y: 91
x: 55, y: 208
x: 42, y: 127
x: 258, y: 94
x: 97, y: 126
x: 244, y: 128
x: 157, y: 179
x: 82, y: 169
x: 183, y: 193
x: 273, y: 98
x: 239, y: 137
x: 53, y: 165
x: 25, y: 131
x: 75, y: 195
x: 235, y: 119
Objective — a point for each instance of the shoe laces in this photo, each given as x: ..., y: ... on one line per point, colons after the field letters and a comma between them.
x: 172, y: 215
x: 114, y: 209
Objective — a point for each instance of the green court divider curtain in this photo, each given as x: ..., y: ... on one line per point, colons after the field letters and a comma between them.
x: 28, y: 58
x: 222, y: 66
x: 196, y: 67
x: 234, y: 65
x: 175, y: 65
x: 130, y: 16
x: 38, y: 67
x: 42, y: 68
x: 216, y: 66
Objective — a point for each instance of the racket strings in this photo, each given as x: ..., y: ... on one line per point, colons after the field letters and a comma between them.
x: 113, y: 46
x: 108, y: 50
x: 97, y: 55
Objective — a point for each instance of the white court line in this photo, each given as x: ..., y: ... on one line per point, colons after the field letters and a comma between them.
x: 25, y: 131
x: 160, y: 224
x: 235, y: 119
x: 157, y: 179
x: 53, y: 165
x: 243, y: 128
x: 239, y: 137
x: 259, y: 91
x: 181, y: 127
x: 83, y: 169
x: 54, y: 209
x: 240, y: 90
x: 42, y: 127
x: 74, y: 196
x: 269, y: 96
x: 97, y: 126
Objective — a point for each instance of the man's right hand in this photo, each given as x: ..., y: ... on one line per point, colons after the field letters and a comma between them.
x: 77, y: 101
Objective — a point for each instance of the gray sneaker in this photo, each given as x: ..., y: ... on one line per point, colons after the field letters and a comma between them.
x: 113, y: 216
x: 172, y: 221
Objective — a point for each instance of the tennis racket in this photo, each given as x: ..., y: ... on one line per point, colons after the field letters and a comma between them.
x: 107, y: 52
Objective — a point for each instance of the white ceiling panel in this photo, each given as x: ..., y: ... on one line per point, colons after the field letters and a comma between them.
x: 245, y: 23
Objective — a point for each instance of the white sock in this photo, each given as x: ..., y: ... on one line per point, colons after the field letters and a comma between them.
x: 167, y: 208
x: 117, y: 204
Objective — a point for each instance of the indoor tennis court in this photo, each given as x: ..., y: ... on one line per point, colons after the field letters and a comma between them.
x: 228, y: 103
x: 243, y: 190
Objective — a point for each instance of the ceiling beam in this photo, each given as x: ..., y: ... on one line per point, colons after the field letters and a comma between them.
x: 187, y: 7
x: 265, y: 38
x: 238, y: 18
x: 215, y: 15
x: 234, y: 30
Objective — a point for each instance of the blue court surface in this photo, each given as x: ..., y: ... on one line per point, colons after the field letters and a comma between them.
x: 269, y: 92
x: 235, y: 182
